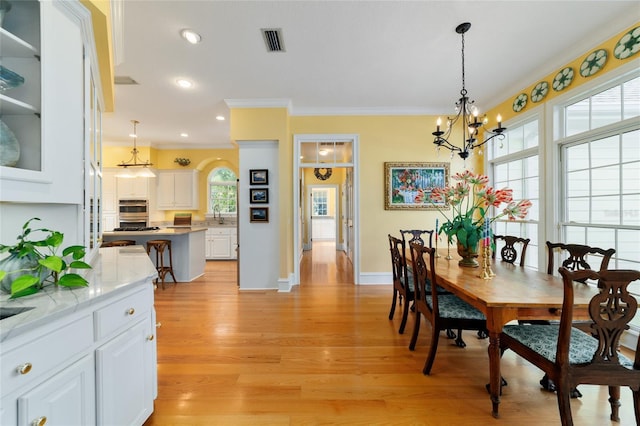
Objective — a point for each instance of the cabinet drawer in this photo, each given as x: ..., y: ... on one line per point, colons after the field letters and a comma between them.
x: 45, y: 353
x: 220, y: 231
x: 122, y: 313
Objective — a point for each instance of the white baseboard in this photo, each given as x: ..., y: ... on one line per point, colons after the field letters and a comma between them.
x: 375, y: 278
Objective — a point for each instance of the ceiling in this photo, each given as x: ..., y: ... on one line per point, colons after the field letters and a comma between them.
x: 341, y: 57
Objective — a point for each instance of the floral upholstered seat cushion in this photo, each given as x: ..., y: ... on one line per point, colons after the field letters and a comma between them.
x: 451, y: 306
x: 543, y: 339
x: 427, y: 287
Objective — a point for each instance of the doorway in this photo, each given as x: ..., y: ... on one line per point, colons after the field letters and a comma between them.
x: 316, y: 157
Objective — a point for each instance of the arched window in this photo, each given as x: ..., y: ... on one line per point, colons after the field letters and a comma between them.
x: 223, y: 192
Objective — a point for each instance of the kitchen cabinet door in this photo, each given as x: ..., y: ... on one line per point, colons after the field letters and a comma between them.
x: 178, y: 190
x: 66, y: 399
x: 133, y: 188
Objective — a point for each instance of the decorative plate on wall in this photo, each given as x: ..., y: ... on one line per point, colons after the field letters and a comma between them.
x: 520, y: 102
x: 540, y: 91
x: 563, y: 79
x: 628, y: 45
x: 322, y: 173
x: 593, y: 63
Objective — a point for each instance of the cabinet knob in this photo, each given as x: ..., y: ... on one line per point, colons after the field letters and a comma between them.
x: 151, y: 337
x: 41, y: 421
x: 25, y: 368
x: 131, y: 311
x: 158, y: 324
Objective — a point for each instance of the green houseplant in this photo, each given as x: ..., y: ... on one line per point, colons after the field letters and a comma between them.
x: 470, y: 200
x: 33, y: 263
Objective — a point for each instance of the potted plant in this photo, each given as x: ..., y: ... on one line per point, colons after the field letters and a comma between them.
x: 470, y: 200
x: 34, y: 263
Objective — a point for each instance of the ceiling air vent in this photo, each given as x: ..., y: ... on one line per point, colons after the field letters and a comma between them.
x: 124, y: 79
x: 273, y: 39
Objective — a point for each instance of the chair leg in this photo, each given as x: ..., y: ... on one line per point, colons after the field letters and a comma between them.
x: 459, y: 342
x: 433, y: 347
x: 405, y: 315
x: 416, y: 330
x: 636, y: 404
x: 564, y: 404
x: 450, y: 334
x: 171, y: 265
x: 614, y: 400
x: 393, y: 303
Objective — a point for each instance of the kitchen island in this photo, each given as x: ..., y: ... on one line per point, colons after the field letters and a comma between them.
x: 84, y: 355
x: 187, y: 246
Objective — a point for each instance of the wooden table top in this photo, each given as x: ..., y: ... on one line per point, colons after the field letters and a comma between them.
x: 513, y: 286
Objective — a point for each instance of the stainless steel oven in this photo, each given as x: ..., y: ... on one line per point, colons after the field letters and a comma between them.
x: 133, y: 213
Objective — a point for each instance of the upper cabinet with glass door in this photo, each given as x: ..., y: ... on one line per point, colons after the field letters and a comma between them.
x: 20, y: 77
x: 44, y: 42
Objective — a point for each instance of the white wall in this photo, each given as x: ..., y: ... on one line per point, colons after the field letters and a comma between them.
x: 259, y: 242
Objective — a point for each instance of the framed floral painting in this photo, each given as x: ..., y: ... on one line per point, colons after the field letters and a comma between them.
x: 408, y: 185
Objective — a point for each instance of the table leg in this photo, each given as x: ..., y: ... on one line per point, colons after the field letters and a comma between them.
x: 494, y: 370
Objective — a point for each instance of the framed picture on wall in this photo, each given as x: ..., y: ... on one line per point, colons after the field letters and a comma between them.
x: 259, y: 214
x: 409, y: 185
x: 259, y: 195
x: 258, y: 177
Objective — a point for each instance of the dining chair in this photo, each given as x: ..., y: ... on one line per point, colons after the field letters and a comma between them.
x: 570, y: 356
x: 402, y: 283
x: 416, y: 235
x: 575, y: 258
x: 509, y: 252
x: 443, y: 311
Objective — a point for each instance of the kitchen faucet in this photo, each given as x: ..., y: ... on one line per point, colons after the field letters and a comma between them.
x: 216, y: 208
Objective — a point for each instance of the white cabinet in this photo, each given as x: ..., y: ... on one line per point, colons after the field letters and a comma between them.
x: 221, y: 243
x: 46, y: 113
x: 94, y: 366
x: 67, y: 399
x: 133, y: 188
x: 177, y: 190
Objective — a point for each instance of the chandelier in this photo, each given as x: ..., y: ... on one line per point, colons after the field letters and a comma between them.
x: 467, y: 114
x: 135, y: 167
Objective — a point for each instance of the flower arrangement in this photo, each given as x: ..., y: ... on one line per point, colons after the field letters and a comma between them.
x: 470, y: 199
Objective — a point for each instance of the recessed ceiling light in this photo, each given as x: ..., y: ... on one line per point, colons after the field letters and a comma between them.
x: 184, y: 135
x: 220, y: 117
x: 184, y: 83
x: 191, y: 36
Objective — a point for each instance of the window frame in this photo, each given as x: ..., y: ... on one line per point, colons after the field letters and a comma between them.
x: 224, y: 183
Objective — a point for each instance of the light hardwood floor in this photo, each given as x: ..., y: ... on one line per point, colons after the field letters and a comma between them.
x: 326, y: 353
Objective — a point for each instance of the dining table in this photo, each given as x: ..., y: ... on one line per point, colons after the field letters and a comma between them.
x: 514, y: 293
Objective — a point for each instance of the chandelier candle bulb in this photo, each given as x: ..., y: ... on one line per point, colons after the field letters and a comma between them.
x: 438, y: 123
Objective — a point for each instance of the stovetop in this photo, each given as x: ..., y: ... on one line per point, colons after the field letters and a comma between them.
x: 137, y: 228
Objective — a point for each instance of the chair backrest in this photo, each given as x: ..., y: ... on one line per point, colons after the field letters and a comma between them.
x: 509, y: 253
x: 416, y: 235
x: 610, y: 310
x: 577, y: 254
x: 398, y: 262
x: 424, y: 271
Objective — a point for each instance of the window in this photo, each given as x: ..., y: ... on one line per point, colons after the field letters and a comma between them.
x: 600, y: 172
x: 514, y: 164
x: 319, y: 203
x: 223, y: 192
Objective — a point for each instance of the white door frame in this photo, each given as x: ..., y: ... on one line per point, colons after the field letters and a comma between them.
x: 297, y: 164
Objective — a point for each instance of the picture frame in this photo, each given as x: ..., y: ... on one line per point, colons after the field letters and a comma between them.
x: 258, y: 214
x: 259, y: 195
x: 259, y: 177
x: 408, y: 186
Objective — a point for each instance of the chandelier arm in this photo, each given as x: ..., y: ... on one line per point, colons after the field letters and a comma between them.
x: 500, y: 135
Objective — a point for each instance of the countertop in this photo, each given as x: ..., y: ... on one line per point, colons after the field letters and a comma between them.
x: 114, y: 269
x: 159, y: 232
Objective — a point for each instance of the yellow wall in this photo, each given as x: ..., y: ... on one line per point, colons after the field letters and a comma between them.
x: 338, y: 177
x: 505, y: 108
x: 102, y: 32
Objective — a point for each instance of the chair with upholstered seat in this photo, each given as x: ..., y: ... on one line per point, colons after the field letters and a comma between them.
x: 402, y: 283
x: 417, y: 235
x: 509, y: 252
x: 569, y: 356
x: 576, y: 256
x: 443, y: 311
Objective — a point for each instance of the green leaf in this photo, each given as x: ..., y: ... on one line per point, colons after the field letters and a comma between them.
x: 77, y: 252
x: 72, y: 280
x: 54, y: 263
x: 55, y: 239
x: 78, y: 264
x: 25, y: 292
x: 23, y: 282
x: 2, y: 275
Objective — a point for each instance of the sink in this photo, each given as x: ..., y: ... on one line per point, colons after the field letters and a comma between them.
x: 9, y: 312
